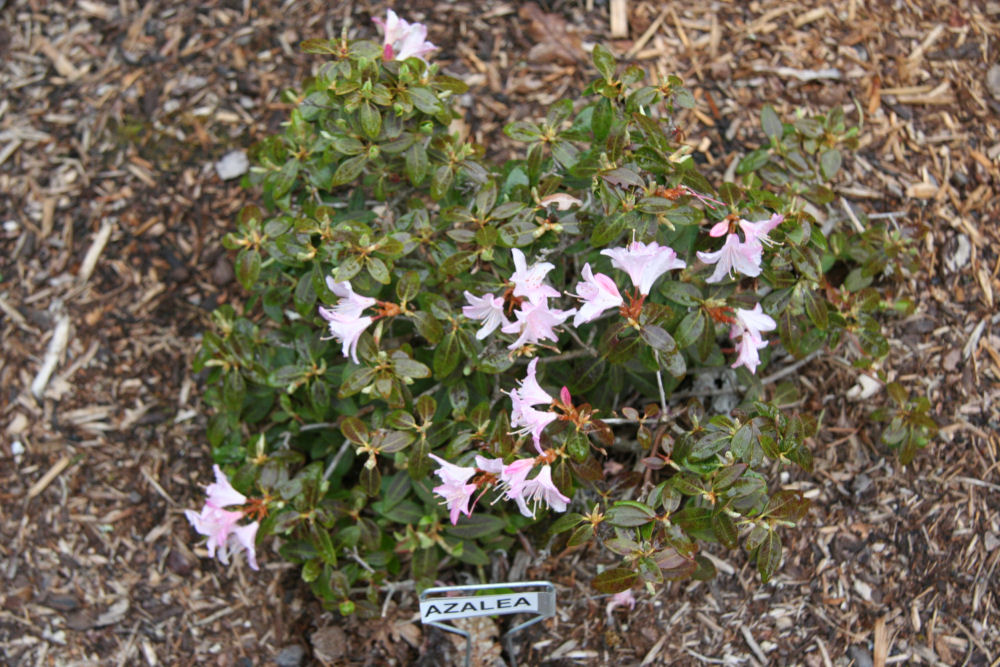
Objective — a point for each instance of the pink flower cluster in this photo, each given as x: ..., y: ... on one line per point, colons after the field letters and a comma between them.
x: 402, y: 39
x: 740, y: 256
x: 512, y: 480
x: 345, y: 319
x: 535, y: 320
x: 523, y: 416
x: 220, y: 525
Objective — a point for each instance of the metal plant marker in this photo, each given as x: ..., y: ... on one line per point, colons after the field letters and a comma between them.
x: 522, y: 597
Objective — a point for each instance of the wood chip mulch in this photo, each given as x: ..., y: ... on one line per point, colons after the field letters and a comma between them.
x: 111, y: 120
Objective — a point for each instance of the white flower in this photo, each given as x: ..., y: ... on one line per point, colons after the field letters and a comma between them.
x: 598, y: 293
x: 487, y: 309
x: 644, y: 263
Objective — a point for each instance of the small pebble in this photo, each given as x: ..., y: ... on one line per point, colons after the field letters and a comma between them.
x: 861, y: 656
x: 290, y: 656
x: 232, y: 165
x: 993, y: 81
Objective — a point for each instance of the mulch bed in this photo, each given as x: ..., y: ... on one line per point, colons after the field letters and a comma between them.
x: 111, y: 118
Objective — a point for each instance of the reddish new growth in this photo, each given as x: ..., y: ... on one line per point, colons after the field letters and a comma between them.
x: 387, y: 309
x: 578, y: 416
x: 510, y: 302
x: 631, y: 310
x: 256, y: 508
x: 722, y: 314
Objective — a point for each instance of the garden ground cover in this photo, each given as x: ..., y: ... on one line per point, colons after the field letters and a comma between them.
x: 111, y: 119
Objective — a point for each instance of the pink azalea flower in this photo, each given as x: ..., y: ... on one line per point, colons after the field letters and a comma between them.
x: 565, y: 396
x: 221, y: 493
x: 494, y: 466
x: 449, y: 473
x: 598, y: 293
x: 346, y: 330
x: 402, y: 39
x: 514, y: 476
x: 644, y: 263
x: 529, y: 419
x: 344, y: 319
x: 748, y: 326
x: 756, y: 232
x: 535, y: 322
x: 454, y: 490
x: 747, y: 352
x: 530, y: 392
x: 350, y: 304
x: 528, y: 280
x: 622, y: 599
x: 539, y: 490
x: 220, y: 525
x: 754, y: 321
x: 487, y: 309
x: 733, y: 255
x: 719, y: 229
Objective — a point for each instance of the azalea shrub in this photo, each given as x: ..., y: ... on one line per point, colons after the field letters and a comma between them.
x: 442, y: 357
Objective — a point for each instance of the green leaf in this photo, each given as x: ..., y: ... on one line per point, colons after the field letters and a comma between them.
x: 425, y: 100
x: 458, y: 262
x: 370, y: 480
x: 428, y: 326
x: 349, y: 170
x: 581, y: 535
x: 688, y: 483
x: 348, y: 268
x: 604, y: 62
x: 409, y: 368
x: 615, y: 580
x: 683, y: 293
x: 606, y: 232
x: 389, y: 442
x: 247, y: 267
x: 371, y: 120
x: 443, y: 177
x: 725, y: 529
x: 815, y: 307
x: 408, y: 286
x: 311, y: 570
x: 475, y: 526
x: 753, y: 161
x: 658, y: 339
x: 809, y: 127
x: 690, y: 329
x: 829, y: 163
x: 354, y: 430
x: 565, y: 522
x: 377, y: 269
x: 357, y: 381
x: 446, y: 356
x: 772, y: 125
x: 683, y: 98
x: 416, y: 164
x: 684, y: 215
x: 523, y: 131
x: 324, y: 545
x: 769, y: 556
x: 629, y: 513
